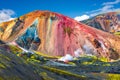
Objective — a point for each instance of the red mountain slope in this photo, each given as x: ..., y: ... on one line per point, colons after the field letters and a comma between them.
x: 58, y: 35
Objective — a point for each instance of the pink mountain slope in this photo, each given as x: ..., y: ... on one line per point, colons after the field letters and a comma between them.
x: 57, y: 35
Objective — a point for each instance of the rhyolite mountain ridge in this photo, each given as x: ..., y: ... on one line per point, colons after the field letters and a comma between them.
x: 30, y: 47
x: 109, y: 22
x: 57, y: 35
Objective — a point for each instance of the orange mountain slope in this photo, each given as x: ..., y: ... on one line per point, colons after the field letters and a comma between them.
x: 57, y: 35
x: 109, y: 22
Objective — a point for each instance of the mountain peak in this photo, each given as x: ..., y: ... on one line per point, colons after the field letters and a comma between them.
x: 109, y: 22
x: 57, y: 35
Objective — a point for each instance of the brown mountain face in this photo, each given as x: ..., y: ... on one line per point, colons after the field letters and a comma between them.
x: 58, y: 35
x: 109, y: 22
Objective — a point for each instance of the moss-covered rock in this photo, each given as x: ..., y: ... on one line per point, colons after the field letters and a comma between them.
x: 18, y: 65
x: 13, y: 67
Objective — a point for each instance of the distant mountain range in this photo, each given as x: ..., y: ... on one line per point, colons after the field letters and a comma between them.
x: 57, y: 35
x: 109, y: 22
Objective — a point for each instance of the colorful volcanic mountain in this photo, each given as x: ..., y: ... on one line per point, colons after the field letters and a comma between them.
x: 109, y: 22
x: 57, y: 35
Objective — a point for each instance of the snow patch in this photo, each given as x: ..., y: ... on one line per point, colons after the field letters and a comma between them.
x: 24, y: 50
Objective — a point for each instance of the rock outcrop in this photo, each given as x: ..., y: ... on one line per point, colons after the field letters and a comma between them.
x: 109, y: 22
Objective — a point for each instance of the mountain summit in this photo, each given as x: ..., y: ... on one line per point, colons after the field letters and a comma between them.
x: 57, y: 35
x: 109, y: 22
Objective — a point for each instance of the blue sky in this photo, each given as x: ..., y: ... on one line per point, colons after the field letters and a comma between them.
x: 78, y: 9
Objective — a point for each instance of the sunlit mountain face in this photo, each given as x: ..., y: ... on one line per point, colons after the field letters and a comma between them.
x: 43, y: 45
x: 57, y: 35
x: 109, y: 22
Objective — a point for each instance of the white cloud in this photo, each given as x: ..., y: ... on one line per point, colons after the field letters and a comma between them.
x: 6, y: 15
x: 106, y: 7
x: 111, y: 3
x: 81, y: 18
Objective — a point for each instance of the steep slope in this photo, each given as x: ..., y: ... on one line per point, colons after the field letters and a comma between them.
x: 26, y: 67
x: 57, y: 35
x: 13, y: 67
x: 109, y: 22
